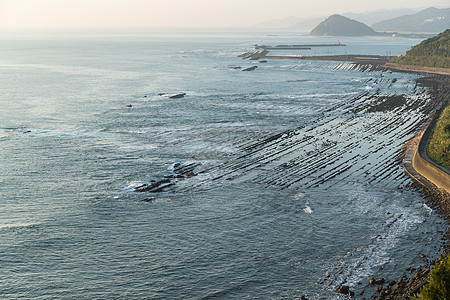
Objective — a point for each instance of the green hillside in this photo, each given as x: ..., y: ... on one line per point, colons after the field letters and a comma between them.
x: 438, y: 148
x: 433, y: 52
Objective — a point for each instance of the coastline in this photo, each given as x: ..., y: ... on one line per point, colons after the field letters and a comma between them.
x: 431, y: 180
x: 427, y: 180
x: 416, y: 69
x: 426, y: 176
x: 439, y: 82
x: 381, y: 62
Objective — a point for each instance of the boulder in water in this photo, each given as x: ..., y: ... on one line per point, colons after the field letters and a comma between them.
x: 345, y: 289
x: 250, y: 68
x: 177, y: 96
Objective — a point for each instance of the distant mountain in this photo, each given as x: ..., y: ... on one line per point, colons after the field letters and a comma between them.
x: 428, y: 20
x: 280, y: 23
x: 337, y: 25
x: 369, y: 17
x: 308, y: 24
x: 432, y: 52
x: 376, y: 16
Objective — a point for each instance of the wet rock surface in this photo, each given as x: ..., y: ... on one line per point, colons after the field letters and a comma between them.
x: 361, y: 137
x: 250, y: 68
x: 177, y: 96
x: 413, y: 280
x: 179, y: 172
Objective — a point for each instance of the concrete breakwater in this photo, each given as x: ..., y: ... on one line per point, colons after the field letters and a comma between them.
x: 416, y: 69
x: 278, y: 47
x: 434, y: 173
x: 296, y: 47
x: 434, y: 178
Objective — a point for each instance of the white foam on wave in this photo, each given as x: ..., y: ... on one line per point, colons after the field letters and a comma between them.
x: 307, y: 209
x: 374, y: 255
x: 429, y: 210
x: 165, y: 130
x: 362, y: 262
x: 165, y: 95
x: 322, y: 95
x: 136, y: 148
x: 74, y: 70
x: 284, y: 108
x: 195, y: 51
x: 299, y: 196
x: 16, y: 226
x: 56, y: 132
x: 133, y: 185
x: 299, y: 96
x: 162, y: 130
x: 225, y: 53
x: 205, y: 147
x: 37, y: 130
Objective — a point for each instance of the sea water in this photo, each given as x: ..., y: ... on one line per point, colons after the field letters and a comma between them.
x: 87, y: 116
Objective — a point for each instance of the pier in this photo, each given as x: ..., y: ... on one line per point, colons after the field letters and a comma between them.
x: 263, y: 53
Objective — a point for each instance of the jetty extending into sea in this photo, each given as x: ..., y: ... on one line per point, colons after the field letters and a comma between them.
x: 263, y: 53
x: 296, y: 47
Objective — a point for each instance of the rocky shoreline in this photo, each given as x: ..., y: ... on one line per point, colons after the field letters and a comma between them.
x: 409, y: 285
x: 413, y: 279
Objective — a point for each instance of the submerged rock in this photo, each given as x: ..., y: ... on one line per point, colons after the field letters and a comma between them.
x: 345, y: 289
x: 176, y: 96
x: 380, y: 281
x: 150, y: 199
x: 154, y: 187
x: 250, y: 68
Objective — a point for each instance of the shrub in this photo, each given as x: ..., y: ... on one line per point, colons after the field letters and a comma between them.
x: 433, y: 52
x: 438, y: 288
x: 438, y: 148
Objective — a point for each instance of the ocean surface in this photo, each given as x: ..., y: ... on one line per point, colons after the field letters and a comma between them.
x: 276, y: 183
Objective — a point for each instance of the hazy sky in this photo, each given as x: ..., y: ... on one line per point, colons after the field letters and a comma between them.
x: 179, y: 13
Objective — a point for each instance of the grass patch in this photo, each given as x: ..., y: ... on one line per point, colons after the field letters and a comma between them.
x: 438, y: 149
